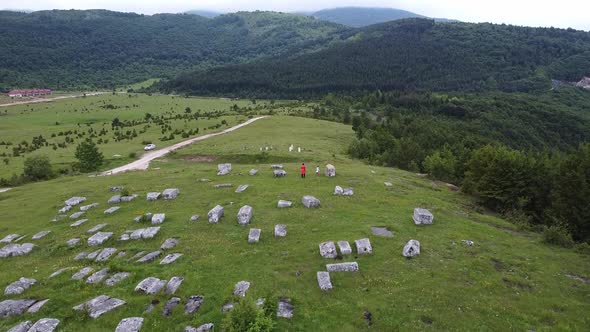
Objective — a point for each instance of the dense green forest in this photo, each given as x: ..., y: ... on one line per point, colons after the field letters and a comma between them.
x: 412, y: 54
x: 99, y: 48
x: 521, y: 154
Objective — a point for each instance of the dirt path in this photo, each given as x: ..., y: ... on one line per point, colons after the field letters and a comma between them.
x: 46, y: 100
x: 144, y: 161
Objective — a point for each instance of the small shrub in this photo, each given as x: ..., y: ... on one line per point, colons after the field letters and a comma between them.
x: 125, y: 192
x: 582, y: 248
x: 558, y: 235
x: 38, y: 168
x: 132, y: 155
x: 246, y: 317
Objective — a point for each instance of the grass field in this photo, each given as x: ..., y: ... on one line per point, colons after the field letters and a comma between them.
x: 508, y: 281
x: 82, y: 116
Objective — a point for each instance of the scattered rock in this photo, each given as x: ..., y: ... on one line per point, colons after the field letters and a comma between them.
x: 170, y: 258
x: 111, y: 210
x: 16, y: 249
x: 105, y: 254
x: 170, y: 193
x: 77, y: 215
x: 65, y: 209
x: 328, y: 250
x: 285, y: 309
x: 88, y: 207
x: 324, y: 280
x: 144, y: 233
x: 254, y: 235
x: 97, y: 277
x: 171, y: 304
x: 115, y: 189
x: 21, y: 327
x: 150, y: 285
x: 75, y: 201
x: 96, y: 228
x: 195, y: 217
x: 131, y: 324
x: 284, y: 204
x: 40, y: 235
x: 422, y: 217
x: 215, y: 214
x: 82, y: 273
x: 245, y: 215
x: 138, y: 255
x: 343, y: 267
x: 158, y: 218
x: 114, y: 200
x: 468, y: 242
x: 411, y: 249
x: 280, y: 230
x: 42, y: 325
x: 363, y: 246
x: 223, y: 185
x: 223, y: 169
x: 117, y: 278
x: 381, y: 231
x: 227, y: 307
x: 19, y: 286
x: 388, y: 184
x: 9, y: 238
x: 203, y: 328
x: 153, y: 196
x: 242, y: 188
x: 37, y: 306
x: 279, y: 173
x: 241, y: 288
x: 149, y: 257
x: 100, y: 305
x: 99, y: 238
x: 78, y: 223
x: 345, y: 248
x: 343, y: 192
x: 173, y: 284
x: 193, y: 304
x: 9, y: 308
x: 169, y: 244
x: 93, y: 254
x: 80, y: 256
x: 60, y: 271
x: 310, y: 202
x: 58, y: 217
x: 253, y: 172
x: 73, y: 242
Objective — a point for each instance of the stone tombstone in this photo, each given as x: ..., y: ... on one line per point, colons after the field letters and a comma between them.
x: 381, y: 231
x: 129, y: 198
x: 388, y: 184
x: 245, y: 215
x: 16, y: 249
x: 254, y: 235
x: 170, y: 193
x: 363, y: 247
x: 111, y: 210
x: 222, y: 185
x: 99, y: 305
x: 328, y: 249
x: 343, y: 267
x: 215, y: 214
x: 169, y: 243
x: 241, y: 288
x: 78, y: 223
x: 223, y: 169
x: 411, y: 249
x: 195, y: 217
x: 170, y: 258
x: 9, y: 308
x: 158, y: 218
x: 117, y: 278
x: 241, y: 188
x: 279, y: 173
x: 88, y: 207
x: 149, y: 257
x: 285, y: 309
x: 422, y: 217
x: 42, y: 325
x: 284, y: 204
x: 105, y: 254
x: 153, y: 196
x: 280, y: 230
x: 330, y: 170
x: 324, y: 280
x: 19, y: 286
x: 96, y: 228
x: 170, y: 305
x: 75, y: 201
x: 276, y: 166
x: 77, y: 215
x: 82, y: 273
x: 150, y: 285
x: 310, y: 201
x: 98, y: 276
x: 99, y: 238
x: 339, y: 191
x: 116, y: 199
x: 193, y: 303
x: 345, y: 248
x: 253, y: 172
x: 174, y: 284
x: 116, y: 189
x: 9, y: 238
x: 131, y: 324
x: 40, y: 235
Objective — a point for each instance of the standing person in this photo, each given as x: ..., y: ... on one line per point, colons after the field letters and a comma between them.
x: 317, y: 170
x: 303, y: 170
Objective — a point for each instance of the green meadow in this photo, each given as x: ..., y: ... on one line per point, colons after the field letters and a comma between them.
x: 509, y: 280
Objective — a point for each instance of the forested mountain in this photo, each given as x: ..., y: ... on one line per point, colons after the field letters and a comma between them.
x: 364, y: 16
x: 204, y: 13
x: 62, y: 49
x: 411, y: 54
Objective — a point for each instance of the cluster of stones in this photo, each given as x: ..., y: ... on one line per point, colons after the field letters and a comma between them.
x: 142, y: 233
x: 100, y: 255
x: 99, y: 276
x: 328, y: 250
x: 116, y: 199
x: 167, y: 194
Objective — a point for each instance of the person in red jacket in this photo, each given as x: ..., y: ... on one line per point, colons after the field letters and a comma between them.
x: 303, y: 170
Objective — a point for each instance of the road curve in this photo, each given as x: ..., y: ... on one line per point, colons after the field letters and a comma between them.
x: 143, y: 162
x: 48, y: 100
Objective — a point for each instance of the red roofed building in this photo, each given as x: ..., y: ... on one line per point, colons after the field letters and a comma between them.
x: 29, y: 93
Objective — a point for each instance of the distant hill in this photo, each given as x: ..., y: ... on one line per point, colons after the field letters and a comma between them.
x: 204, y: 13
x: 98, y: 48
x: 410, y: 54
x: 364, y: 16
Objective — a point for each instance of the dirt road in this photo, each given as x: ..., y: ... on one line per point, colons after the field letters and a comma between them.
x: 144, y: 161
x: 46, y: 100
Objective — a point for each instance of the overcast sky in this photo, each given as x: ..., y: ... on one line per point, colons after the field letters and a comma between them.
x: 560, y: 13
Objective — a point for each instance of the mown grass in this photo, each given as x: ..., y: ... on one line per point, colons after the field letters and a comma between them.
x: 507, y: 281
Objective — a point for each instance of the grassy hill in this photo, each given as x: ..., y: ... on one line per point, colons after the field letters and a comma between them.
x: 411, y: 54
x: 364, y: 16
x: 98, y: 48
x: 507, y: 281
